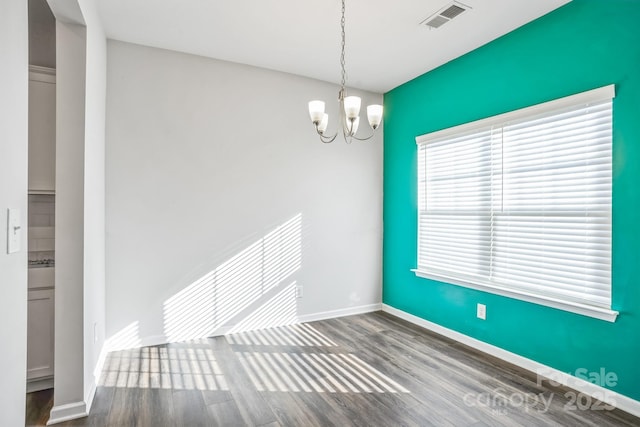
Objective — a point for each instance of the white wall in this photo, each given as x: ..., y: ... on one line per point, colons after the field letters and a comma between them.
x: 94, y: 195
x: 70, y: 99
x: 205, y: 159
x: 13, y: 194
x: 80, y: 205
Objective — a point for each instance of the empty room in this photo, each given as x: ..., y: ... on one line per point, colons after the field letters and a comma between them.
x: 337, y: 213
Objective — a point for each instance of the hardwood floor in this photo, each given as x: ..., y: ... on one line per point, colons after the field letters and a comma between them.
x: 366, y: 370
x: 38, y: 405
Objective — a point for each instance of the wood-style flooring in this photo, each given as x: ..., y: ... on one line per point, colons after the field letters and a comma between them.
x: 366, y: 370
x: 38, y: 406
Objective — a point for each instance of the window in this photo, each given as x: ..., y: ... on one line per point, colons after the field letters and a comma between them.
x: 520, y: 204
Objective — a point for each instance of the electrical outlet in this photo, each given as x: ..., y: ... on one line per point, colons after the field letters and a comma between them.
x: 481, y: 311
x: 298, y: 291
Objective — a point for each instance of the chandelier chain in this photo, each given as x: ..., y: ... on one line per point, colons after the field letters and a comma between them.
x: 342, y: 62
x: 349, y: 105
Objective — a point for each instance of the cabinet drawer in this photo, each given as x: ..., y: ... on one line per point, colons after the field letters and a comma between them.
x: 43, y: 277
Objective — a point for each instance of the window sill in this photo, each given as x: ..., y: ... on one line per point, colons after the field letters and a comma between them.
x: 582, y: 309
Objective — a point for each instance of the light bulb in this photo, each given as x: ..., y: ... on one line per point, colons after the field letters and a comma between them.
x: 323, y: 123
x: 316, y: 111
x: 352, y: 106
x: 352, y: 126
x: 374, y: 114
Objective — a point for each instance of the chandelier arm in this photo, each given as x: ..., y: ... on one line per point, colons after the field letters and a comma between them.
x: 349, y: 136
x: 346, y: 134
x: 363, y: 139
x: 326, y: 139
x: 347, y: 126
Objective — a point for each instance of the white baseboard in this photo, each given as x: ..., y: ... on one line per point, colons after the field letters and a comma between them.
x: 39, y: 384
x: 88, y: 400
x: 74, y: 410
x: 67, y: 412
x: 618, y: 400
x: 350, y: 311
x: 154, y: 340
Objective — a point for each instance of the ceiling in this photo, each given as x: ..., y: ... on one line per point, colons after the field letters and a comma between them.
x: 386, y: 46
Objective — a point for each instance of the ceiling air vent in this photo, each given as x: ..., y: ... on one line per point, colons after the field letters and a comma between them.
x: 444, y: 15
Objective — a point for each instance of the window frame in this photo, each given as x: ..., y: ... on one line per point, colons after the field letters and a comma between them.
x: 595, y: 95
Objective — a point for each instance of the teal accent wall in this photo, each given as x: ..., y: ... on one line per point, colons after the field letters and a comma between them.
x: 580, y: 46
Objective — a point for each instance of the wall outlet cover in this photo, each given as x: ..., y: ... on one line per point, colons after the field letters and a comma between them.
x: 482, y: 311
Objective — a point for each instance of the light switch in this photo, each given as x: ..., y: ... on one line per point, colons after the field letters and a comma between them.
x: 14, y: 230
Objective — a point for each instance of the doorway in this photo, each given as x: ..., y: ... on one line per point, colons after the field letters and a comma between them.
x: 41, y: 212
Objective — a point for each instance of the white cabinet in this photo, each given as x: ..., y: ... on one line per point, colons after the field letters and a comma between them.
x: 42, y: 130
x: 40, y: 334
x: 38, y: 278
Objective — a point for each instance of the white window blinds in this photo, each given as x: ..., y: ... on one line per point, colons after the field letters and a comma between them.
x: 521, y: 202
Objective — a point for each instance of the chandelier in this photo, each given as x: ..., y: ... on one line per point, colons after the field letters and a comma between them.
x: 349, y: 107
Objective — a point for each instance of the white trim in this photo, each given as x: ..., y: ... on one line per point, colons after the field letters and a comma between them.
x: 572, y: 307
x: 72, y: 411
x: 153, y: 340
x: 67, y: 412
x: 350, y: 311
x: 42, y: 70
x: 593, y: 299
x: 41, y: 192
x: 618, y: 400
x: 39, y: 384
x: 596, y: 95
x: 42, y: 74
x: 149, y: 341
x: 88, y: 400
